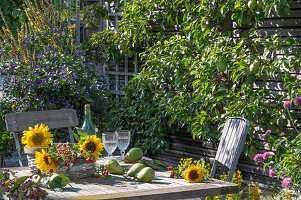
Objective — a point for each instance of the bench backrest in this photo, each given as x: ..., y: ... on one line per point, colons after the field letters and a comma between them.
x: 18, y: 122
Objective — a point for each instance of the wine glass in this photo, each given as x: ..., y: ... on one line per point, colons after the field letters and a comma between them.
x: 123, y: 141
x: 109, y: 141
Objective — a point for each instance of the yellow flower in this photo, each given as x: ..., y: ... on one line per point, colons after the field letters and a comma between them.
x: 194, y: 174
x: 37, y: 137
x: 92, y: 145
x: 44, y: 161
x: 13, y: 107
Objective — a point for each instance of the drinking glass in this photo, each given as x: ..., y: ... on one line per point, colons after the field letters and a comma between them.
x: 109, y: 141
x: 123, y: 141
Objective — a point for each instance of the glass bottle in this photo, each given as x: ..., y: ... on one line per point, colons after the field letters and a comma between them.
x: 88, y: 125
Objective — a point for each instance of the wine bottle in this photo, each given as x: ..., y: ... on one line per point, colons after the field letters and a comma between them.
x: 88, y: 126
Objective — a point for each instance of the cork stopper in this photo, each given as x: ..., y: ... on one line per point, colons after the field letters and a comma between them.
x: 87, y: 105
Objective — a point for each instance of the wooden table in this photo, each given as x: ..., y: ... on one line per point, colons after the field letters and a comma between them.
x: 118, y: 187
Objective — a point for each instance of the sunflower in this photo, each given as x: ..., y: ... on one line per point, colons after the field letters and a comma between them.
x: 92, y: 145
x: 44, y: 161
x: 37, y: 137
x: 194, y: 174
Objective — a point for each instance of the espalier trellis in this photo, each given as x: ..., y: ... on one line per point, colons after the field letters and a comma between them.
x: 120, y: 72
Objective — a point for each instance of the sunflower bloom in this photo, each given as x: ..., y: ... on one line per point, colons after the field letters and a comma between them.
x: 92, y: 145
x: 39, y: 136
x: 44, y: 161
x: 194, y: 174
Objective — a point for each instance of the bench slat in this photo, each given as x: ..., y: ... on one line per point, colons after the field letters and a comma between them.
x: 18, y: 122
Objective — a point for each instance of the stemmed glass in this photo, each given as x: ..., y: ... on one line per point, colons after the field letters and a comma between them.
x: 123, y: 141
x: 109, y: 141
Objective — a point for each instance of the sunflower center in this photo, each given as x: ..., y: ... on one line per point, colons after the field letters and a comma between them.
x: 37, y: 139
x: 193, y: 175
x: 91, y: 146
x: 47, y: 160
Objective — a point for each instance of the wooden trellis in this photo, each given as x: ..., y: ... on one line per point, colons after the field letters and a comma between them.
x: 121, y: 72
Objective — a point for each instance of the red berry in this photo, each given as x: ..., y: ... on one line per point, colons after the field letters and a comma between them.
x: 81, y: 151
x: 96, y: 175
x: 172, y: 174
x: 107, y: 172
x: 64, y: 145
x: 170, y: 168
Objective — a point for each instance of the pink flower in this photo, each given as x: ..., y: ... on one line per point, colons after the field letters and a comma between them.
x: 266, y: 155
x: 287, y: 104
x: 268, y: 131
x: 297, y: 101
x: 257, y: 157
x: 272, y: 173
x: 270, y: 167
x: 286, y: 182
x: 282, y: 134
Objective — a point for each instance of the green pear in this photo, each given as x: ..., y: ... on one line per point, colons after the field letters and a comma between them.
x: 130, y: 53
x: 254, y: 67
x: 136, y: 168
x: 221, y: 65
x: 113, y: 167
x: 133, y: 155
x: 147, y: 174
x: 252, y: 4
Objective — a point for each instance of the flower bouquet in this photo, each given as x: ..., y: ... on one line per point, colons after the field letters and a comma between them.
x: 73, y: 160
x: 36, y: 139
x: 192, y: 170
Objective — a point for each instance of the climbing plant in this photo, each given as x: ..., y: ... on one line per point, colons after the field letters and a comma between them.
x: 197, y: 71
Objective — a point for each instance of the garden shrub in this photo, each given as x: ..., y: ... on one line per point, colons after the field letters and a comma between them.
x: 284, y: 160
x: 196, y: 74
x: 62, y: 78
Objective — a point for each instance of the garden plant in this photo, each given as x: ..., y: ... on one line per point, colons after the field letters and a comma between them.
x: 196, y: 73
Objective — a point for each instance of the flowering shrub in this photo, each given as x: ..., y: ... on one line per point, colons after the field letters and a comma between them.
x: 62, y: 78
x: 284, y: 161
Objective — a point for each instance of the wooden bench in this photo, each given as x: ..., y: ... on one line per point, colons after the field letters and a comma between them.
x: 18, y: 122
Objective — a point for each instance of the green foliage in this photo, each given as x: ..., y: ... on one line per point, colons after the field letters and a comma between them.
x: 196, y: 74
x: 6, y: 139
x: 11, y: 10
x: 183, y: 83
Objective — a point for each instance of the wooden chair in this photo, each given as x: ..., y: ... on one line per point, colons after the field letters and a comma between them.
x: 18, y: 122
x: 230, y: 146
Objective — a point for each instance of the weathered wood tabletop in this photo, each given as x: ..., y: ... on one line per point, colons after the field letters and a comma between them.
x: 118, y: 187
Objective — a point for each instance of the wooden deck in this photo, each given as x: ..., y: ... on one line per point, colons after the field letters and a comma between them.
x: 118, y: 187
